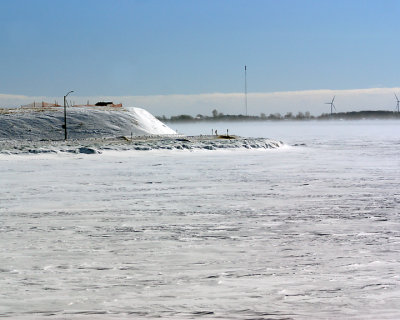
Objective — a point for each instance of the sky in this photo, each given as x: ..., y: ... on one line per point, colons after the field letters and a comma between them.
x: 188, y: 56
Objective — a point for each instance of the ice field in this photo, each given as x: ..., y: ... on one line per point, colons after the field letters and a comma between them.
x: 310, y: 230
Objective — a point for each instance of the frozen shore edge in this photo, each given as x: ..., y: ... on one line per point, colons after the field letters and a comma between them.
x: 93, y: 129
x: 139, y: 143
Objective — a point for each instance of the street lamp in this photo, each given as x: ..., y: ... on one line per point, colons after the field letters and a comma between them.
x: 65, y: 115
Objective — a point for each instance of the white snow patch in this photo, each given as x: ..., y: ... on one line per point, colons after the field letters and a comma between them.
x: 147, y: 122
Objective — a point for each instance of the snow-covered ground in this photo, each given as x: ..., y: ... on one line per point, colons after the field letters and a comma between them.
x: 82, y: 123
x: 95, y: 129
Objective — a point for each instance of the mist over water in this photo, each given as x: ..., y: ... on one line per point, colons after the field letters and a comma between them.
x: 315, y: 131
x: 301, y: 232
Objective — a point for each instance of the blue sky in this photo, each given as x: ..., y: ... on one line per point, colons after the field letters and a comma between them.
x: 189, y: 48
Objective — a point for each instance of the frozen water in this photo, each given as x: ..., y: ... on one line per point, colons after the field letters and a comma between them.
x: 299, y: 232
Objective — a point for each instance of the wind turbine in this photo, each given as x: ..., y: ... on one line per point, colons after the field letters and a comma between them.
x: 332, y: 105
x: 398, y: 101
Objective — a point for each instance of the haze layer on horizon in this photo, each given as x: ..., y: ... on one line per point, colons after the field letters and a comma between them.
x: 313, y: 101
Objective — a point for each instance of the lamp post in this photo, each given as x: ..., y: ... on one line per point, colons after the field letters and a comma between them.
x: 65, y: 115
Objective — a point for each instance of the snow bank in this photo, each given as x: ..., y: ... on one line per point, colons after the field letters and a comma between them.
x: 95, y: 129
x: 82, y: 123
x: 142, y: 143
x: 147, y: 122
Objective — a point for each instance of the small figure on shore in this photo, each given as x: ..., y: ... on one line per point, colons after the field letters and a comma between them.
x: 216, y: 132
x: 227, y: 132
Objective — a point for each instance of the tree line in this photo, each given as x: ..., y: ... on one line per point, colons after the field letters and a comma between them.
x: 219, y: 116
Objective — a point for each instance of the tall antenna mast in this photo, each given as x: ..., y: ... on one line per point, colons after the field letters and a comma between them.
x: 245, y: 87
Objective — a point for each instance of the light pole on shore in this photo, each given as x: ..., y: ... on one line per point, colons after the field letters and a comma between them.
x: 65, y: 115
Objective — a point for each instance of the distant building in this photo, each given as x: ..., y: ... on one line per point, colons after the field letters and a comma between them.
x: 104, y: 103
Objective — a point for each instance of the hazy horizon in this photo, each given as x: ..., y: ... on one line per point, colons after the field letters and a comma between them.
x: 313, y: 101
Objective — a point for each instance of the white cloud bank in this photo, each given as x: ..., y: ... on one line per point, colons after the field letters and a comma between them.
x: 234, y: 103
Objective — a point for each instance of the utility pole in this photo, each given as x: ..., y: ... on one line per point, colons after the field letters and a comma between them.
x: 65, y: 115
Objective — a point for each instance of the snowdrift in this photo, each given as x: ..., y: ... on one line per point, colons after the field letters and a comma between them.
x: 82, y: 123
x: 139, y: 143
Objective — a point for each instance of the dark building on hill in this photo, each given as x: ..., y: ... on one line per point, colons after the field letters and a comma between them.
x: 103, y: 103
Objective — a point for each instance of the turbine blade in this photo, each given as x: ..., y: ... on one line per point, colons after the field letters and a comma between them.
x: 333, y: 98
x: 396, y: 97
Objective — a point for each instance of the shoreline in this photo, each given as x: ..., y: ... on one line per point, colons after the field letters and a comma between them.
x: 138, y: 143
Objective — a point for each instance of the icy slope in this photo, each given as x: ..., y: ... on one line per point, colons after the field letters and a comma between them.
x: 147, y: 122
x: 82, y: 123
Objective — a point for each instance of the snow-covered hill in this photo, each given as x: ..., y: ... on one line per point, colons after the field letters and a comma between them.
x: 82, y: 123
